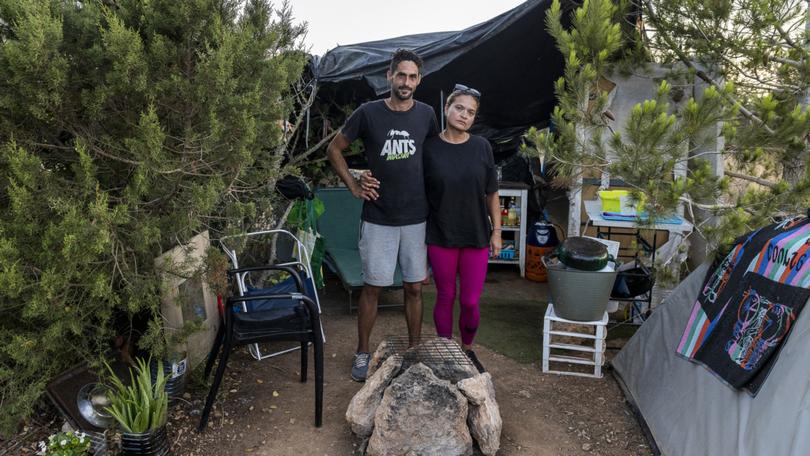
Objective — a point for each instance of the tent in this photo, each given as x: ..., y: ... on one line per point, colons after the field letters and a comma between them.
x: 510, y: 58
x: 688, y: 411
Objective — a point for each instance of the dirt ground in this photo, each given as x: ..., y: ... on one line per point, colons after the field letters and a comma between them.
x: 263, y: 409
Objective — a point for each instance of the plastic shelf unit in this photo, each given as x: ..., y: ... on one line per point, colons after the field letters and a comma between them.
x: 589, y: 355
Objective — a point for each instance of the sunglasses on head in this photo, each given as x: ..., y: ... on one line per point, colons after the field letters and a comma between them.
x: 464, y: 90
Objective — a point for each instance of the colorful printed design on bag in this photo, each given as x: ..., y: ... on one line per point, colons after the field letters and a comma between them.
x: 699, y: 325
x: 746, y: 307
x: 697, y: 329
x: 784, y: 257
x: 721, y: 275
x: 761, y: 325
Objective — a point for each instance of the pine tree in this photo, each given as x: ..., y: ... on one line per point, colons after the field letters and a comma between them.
x: 657, y: 138
x: 125, y: 128
x: 761, y: 46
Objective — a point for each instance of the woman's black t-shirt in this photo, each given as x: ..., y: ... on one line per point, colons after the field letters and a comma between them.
x: 457, y: 179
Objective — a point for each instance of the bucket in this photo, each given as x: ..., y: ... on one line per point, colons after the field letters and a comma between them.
x: 579, y: 295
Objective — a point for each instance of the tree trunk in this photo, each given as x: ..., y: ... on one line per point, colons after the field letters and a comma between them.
x: 793, y: 167
x: 575, y: 192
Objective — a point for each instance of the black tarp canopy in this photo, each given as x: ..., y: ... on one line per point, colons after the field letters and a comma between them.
x: 510, y: 58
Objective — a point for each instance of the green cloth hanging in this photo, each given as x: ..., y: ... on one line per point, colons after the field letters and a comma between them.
x: 303, y: 219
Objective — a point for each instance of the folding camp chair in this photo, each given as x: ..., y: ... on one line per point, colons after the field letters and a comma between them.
x: 340, y: 227
x: 243, y: 287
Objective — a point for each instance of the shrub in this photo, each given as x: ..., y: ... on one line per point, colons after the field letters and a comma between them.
x: 125, y: 128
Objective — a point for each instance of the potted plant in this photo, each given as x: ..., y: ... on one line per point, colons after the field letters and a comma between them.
x: 140, y: 409
x: 66, y: 444
x: 174, y: 368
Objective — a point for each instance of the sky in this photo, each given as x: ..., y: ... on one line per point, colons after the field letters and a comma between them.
x: 341, y: 22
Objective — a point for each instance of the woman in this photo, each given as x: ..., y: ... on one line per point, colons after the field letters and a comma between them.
x: 462, y: 190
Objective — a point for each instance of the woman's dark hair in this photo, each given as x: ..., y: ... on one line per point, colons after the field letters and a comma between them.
x: 404, y: 55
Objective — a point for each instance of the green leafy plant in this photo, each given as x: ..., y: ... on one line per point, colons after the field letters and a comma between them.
x: 142, y: 405
x: 65, y: 444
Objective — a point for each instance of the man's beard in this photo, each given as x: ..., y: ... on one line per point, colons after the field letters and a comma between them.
x: 403, y: 97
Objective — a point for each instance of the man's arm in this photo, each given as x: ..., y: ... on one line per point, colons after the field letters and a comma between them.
x: 335, y: 153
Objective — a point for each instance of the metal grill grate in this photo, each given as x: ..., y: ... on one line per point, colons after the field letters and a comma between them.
x: 428, y: 350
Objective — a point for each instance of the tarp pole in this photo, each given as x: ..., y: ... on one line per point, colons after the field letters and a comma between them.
x: 441, y: 106
x: 309, y: 105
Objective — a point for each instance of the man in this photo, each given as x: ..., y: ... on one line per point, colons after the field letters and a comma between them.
x: 393, y: 219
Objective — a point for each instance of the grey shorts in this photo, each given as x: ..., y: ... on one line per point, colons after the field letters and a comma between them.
x: 381, y: 246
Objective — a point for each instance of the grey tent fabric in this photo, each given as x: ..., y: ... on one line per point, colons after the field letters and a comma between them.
x: 690, y: 412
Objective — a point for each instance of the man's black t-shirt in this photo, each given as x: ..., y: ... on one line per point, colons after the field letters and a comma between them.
x: 393, y: 141
x: 458, y: 177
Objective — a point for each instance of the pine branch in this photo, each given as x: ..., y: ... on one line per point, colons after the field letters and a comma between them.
x: 786, y: 36
x: 300, y: 158
x: 50, y: 146
x: 794, y: 63
x: 701, y: 74
x: 760, y: 81
x: 705, y: 207
x: 758, y: 180
x: 105, y: 154
x: 305, y: 105
x: 282, y: 220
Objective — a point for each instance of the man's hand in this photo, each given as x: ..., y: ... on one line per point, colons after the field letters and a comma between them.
x: 369, y: 185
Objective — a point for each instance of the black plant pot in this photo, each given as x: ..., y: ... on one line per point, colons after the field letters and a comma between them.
x: 175, y: 385
x: 99, y: 443
x: 152, y: 443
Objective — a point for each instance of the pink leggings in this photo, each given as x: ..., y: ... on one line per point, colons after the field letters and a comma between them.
x: 470, y: 265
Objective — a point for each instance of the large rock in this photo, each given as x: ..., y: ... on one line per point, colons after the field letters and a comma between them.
x: 484, y: 417
x: 383, y: 351
x: 421, y: 414
x: 363, y: 406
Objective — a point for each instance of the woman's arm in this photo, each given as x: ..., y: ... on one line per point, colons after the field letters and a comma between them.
x: 494, y: 206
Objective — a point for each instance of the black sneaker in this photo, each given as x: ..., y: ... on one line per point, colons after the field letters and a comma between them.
x: 476, y: 363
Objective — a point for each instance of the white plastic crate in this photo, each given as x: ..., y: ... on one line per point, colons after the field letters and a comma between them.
x: 597, y: 349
